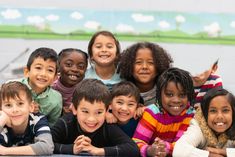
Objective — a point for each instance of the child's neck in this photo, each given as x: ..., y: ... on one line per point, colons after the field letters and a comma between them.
x: 144, y: 87
x: 105, y: 73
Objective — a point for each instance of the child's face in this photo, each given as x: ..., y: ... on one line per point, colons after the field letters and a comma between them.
x: 174, y: 100
x: 144, y: 70
x: 72, y: 68
x: 90, y: 116
x: 18, y: 110
x: 219, y: 114
x: 104, y: 51
x: 123, y: 108
x: 41, y: 74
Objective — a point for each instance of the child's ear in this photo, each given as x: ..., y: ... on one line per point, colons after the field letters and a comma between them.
x: 74, y: 111
x: 31, y: 107
x: 26, y: 72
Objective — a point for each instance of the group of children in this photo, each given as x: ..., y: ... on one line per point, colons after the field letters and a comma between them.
x: 159, y: 110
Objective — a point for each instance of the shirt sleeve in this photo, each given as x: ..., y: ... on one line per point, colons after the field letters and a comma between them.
x: 55, y: 113
x: 144, y: 132
x: 122, y: 145
x: 59, y: 136
x: 43, y: 144
x: 190, y: 142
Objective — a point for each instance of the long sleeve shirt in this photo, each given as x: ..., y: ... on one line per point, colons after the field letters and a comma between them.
x: 155, y: 123
x: 109, y: 136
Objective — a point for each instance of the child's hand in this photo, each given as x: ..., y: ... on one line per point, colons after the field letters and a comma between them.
x: 110, y: 118
x: 79, y: 143
x: 139, y: 112
x: 216, y: 151
x: 4, y: 119
x: 36, y: 107
x: 90, y: 149
x: 157, y: 149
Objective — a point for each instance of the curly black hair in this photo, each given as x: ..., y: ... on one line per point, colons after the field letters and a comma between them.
x: 162, y: 60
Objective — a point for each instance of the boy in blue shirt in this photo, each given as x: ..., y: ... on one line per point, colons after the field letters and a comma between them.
x: 22, y: 132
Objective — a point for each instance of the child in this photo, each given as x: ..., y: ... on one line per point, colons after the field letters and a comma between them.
x: 40, y: 73
x: 125, y: 100
x: 21, y: 132
x: 205, y: 81
x: 72, y: 68
x: 163, y: 123
x: 212, y: 131
x: 86, y: 130
x: 104, y: 51
x: 142, y: 63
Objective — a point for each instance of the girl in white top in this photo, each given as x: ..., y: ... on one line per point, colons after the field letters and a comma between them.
x: 212, y: 131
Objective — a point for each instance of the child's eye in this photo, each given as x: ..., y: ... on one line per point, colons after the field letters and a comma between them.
x: 138, y: 62
x: 110, y: 46
x: 183, y: 95
x: 7, y: 105
x: 21, y: 103
x: 119, y: 102
x: 169, y: 94
x: 51, y: 70
x: 68, y: 64
x: 81, y: 66
x: 38, y: 68
x: 84, y: 111
x: 99, y: 112
x: 212, y: 111
x: 226, y: 110
x: 131, y: 105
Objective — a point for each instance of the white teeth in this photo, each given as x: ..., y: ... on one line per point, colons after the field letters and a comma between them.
x: 176, y: 107
x: 220, y: 124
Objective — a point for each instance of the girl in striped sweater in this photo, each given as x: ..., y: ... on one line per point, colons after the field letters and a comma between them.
x: 163, y: 123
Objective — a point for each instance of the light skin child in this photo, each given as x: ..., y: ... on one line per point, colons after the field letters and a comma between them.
x: 124, y: 108
x: 91, y: 117
x: 104, y: 51
x: 15, y: 114
x: 41, y: 73
x: 174, y: 101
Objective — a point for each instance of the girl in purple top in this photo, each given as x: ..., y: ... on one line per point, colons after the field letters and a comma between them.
x: 72, y: 68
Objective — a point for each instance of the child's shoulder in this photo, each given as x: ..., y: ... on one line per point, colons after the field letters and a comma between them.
x: 153, y: 108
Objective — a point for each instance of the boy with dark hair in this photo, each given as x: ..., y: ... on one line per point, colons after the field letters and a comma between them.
x: 86, y: 130
x: 39, y: 74
x: 22, y: 132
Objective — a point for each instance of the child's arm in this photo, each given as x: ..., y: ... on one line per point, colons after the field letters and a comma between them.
x: 191, y: 142
x: 217, y: 151
x: 55, y: 113
x: 60, y: 132
x: 21, y: 150
x: 139, y: 112
x: 120, y: 144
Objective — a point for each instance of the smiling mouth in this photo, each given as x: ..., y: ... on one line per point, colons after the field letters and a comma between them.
x: 73, y: 77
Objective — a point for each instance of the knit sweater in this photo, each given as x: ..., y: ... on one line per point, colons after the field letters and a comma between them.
x: 213, y: 81
x: 156, y: 123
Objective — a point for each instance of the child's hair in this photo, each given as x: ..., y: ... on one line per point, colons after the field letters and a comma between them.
x: 108, y: 34
x: 66, y: 51
x: 91, y: 90
x: 231, y: 99
x: 162, y: 60
x: 126, y: 88
x: 179, y: 77
x: 45, y: 53
x: 11, y: 90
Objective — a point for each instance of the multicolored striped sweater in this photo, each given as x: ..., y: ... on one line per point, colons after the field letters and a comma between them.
x: 156, y: 123
x: 213, y: 81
